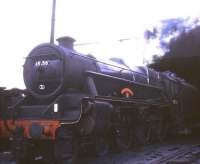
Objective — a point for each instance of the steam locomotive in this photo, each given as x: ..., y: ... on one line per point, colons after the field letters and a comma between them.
x: 73, y: 103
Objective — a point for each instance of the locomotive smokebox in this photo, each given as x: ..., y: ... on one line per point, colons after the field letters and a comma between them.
x: 50, y: 69
x: 67, y: 42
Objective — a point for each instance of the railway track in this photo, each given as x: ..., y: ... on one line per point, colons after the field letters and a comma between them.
x: 187, y: 154
x: 178, y: 151
x: 183, y: 151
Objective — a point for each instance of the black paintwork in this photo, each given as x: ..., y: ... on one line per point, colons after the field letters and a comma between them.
x: 51, y: 72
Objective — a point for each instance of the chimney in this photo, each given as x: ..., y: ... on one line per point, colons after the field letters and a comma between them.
x: 66, y: 41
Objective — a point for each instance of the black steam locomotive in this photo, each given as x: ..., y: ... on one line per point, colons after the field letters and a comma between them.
x: 74, y: 103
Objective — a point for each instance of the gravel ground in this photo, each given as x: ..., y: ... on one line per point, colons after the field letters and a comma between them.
x: 149, y: 154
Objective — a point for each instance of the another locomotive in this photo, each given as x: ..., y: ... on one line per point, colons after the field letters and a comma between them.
x: 74, y: 101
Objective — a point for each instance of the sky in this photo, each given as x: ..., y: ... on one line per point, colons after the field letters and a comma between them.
x: 26, y: 23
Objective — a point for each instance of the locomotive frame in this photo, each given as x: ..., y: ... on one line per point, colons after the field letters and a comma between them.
x: 94, y: 105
